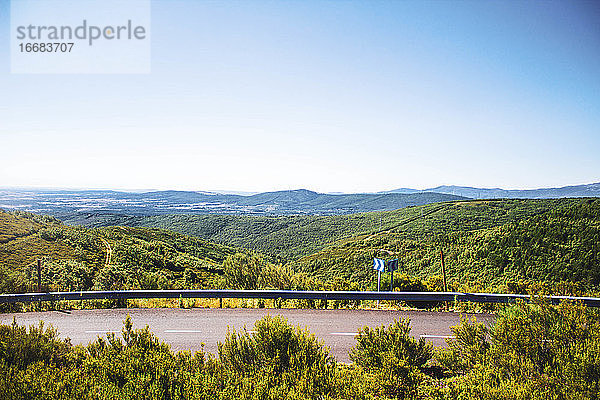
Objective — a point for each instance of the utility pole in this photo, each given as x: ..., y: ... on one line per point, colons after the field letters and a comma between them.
x: 39, y: 273
x: 444, y: 270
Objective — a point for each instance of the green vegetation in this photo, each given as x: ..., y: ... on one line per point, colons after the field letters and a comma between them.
x: 77, y: 258
x: 487, y: 246
x: 533, y: 351
x: 284, y: 237
x: 114, y: 258
x: 292, y: 237
x: 18, y: 224
x: 500, y: 245
x: 393, y: 359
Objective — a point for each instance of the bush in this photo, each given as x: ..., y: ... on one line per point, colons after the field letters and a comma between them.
x: 467, y: 348
x: 534, y: 351
x: 243, y: 271
x: 12, y: 281
x: 281, y: 355
x: 393, y: 358
x: 21, y: 346
x: 137, y: 366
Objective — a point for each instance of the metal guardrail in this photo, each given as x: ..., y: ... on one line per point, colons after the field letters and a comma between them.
x: 286, y: 294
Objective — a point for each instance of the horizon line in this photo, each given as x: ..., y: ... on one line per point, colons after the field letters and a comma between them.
x: 250, y: 193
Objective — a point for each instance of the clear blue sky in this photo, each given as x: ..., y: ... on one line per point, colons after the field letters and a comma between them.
x: 329, y: 96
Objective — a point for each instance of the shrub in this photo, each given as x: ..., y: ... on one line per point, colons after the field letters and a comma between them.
x: 393, y: 358
x: 21, y: 346
x: 283, y: 358
x: 274, y: 345
x: 534, y: 351
x: 467, y: 348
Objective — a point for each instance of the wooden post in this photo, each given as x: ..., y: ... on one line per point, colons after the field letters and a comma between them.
x: 444, y: 270
x: 39, y: 273
x: 446, y: 305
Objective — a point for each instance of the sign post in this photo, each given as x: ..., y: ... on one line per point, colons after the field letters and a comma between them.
x: 379, y: 265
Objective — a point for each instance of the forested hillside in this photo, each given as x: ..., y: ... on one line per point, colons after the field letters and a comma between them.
x: 486, y: 245
x: 291, y: 237
x: 499, y: 245
x: 284, y: 237
x: 77, y: 258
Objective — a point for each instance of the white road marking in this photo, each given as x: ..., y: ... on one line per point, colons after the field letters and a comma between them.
x: 344, y: 333
x: 437, y: 337
x: 182, y: 331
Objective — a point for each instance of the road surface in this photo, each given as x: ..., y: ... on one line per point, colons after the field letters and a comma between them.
x: 186, y: 329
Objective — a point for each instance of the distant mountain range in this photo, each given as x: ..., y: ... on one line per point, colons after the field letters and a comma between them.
x: 590, y: 190
x: 68, y: 202
x: 64, y: 202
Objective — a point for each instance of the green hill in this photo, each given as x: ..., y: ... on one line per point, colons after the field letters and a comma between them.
x: 292, y: 237
x: 284, y: 237
x: 78, y: 258
x: 19, y: 224
x: 487, y: 244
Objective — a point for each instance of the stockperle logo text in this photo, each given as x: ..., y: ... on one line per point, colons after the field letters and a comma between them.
x: 84, y: 32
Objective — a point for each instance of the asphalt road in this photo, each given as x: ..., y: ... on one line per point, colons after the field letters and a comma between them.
x: 186, y: 329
